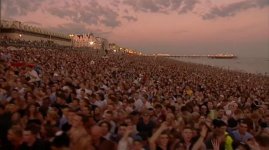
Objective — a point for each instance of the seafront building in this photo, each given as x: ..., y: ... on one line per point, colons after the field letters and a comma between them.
x: 88, y: 41
x: 16, y: 30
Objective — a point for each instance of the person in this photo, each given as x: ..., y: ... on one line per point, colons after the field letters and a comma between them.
x: 5, y: 123
x: 15, y: 138
x: 242, y: 134
x: 199, y: 144
x: 126, y: 141
x: 219, y: 138
x: 137, y: 143
x: 185, y: 141
x: 108, y: 117
x: 106, y: 127
x: 79, y: 138
x: 260, y: 142
x: 159, y: 140
x: 145, y: 126
x: 120, y: 132
x: 33, y: 115
x: 33, y: 76
x: 30, y: 139
x: 100, y: 143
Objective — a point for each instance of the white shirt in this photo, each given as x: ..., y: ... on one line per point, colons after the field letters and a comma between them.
x: 138, y: 104
x: 34, y: 76
x: 100, y: 104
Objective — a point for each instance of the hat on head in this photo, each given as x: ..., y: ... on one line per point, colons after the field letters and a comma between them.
x: 217, y: 123
x: 232, y: 123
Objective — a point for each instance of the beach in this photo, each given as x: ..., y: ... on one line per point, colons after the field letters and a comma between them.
x: 255, y: 65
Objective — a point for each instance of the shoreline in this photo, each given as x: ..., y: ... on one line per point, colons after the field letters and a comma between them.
x: 226, y: 68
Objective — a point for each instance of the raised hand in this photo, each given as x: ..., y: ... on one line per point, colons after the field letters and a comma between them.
x: 203, y: 131
x: 253, y: 145
x: 164, y: 125
x: 216, y: 144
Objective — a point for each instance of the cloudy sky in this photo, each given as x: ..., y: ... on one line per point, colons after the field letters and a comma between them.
x: 164, y: 26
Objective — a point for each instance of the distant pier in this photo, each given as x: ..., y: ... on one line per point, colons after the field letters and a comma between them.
x: 219, y: 56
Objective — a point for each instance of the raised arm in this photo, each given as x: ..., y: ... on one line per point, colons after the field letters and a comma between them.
x: 199, y: 143
x: 124, y: 143
x: 154, y: 137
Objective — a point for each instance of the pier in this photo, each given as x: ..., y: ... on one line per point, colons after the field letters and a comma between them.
x: 218, y: 56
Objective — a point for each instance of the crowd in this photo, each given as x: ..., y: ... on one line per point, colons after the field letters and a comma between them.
x: 5, y: 41
x: 79, y: 100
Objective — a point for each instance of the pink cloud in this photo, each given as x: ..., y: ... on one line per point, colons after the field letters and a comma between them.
x: 160, y: 24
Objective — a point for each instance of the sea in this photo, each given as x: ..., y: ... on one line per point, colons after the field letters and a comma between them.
x: 254, y: 65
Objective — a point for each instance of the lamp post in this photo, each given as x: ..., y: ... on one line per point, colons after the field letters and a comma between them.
x: 72, y: 38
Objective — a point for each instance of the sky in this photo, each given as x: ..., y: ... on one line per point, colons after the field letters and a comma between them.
x: 176, y: 27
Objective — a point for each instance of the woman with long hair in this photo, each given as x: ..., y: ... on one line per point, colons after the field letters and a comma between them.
x: 33, y: 115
